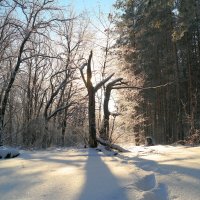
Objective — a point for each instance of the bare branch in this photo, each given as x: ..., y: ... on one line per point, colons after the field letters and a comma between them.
x: 53, y: 95
x: 82, y: 75
x: 89, y: 71
x: 58, y: 110
x: 114, y: 82
x: 139, y: 88
x: 100, y: 84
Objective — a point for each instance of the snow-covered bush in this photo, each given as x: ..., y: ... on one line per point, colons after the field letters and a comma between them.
x: 8, y: 152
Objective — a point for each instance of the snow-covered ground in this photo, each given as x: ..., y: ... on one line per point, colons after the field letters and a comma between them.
x: 146, y: 173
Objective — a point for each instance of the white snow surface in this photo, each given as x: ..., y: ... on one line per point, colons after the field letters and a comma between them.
x: 145, y: 173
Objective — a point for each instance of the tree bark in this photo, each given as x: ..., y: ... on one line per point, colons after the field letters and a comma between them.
x: 92, y: 117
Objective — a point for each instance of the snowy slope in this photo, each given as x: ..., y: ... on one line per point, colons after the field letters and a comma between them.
x: 146, y: 173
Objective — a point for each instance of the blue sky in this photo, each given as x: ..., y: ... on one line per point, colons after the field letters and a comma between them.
x: 90, y: 5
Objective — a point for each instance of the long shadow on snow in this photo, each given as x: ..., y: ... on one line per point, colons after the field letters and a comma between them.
x: 52, y: 158
x: 100, y: 183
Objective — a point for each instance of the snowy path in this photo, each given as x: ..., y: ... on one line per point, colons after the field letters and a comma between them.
x: 156, y: 173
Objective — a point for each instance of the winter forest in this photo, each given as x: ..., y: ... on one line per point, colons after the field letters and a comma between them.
x: 140, y: 79
x: 113, y: 86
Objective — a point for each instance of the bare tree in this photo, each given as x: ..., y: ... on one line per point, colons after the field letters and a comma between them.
x: 91, y: 102
x: 104, y: 45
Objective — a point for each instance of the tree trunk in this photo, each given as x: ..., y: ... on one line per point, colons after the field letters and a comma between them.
x: 45, y: 139
x: 179, y: 130
x: 190, y: 88
x: 104, y: 132
x: 92, y: 118
x: 1, y: 128
x: 64, y: 125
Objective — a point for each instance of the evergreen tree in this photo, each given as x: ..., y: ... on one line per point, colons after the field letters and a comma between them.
x: 162, y: 40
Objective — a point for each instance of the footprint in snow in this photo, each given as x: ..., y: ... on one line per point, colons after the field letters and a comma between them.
x: 146, y: 183
x: 150, y: 189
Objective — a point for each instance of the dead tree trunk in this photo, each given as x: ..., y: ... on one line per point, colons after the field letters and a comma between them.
x: 92, y: 117
x: 104, y: 132
x: 112, y: 146
x: 91, y: 103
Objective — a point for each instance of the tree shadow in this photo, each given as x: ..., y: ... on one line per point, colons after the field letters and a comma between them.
x: 161, y: 168
x: 100, y: 183
x: 55, y: 157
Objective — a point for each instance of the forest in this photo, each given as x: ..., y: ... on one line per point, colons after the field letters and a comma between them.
x: 67, y: 79
x: 99, y: 99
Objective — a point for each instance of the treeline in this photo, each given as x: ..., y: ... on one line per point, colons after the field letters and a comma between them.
x: 160, y: 42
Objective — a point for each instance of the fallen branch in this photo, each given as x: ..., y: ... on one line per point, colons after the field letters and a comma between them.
x: 112, y: 146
